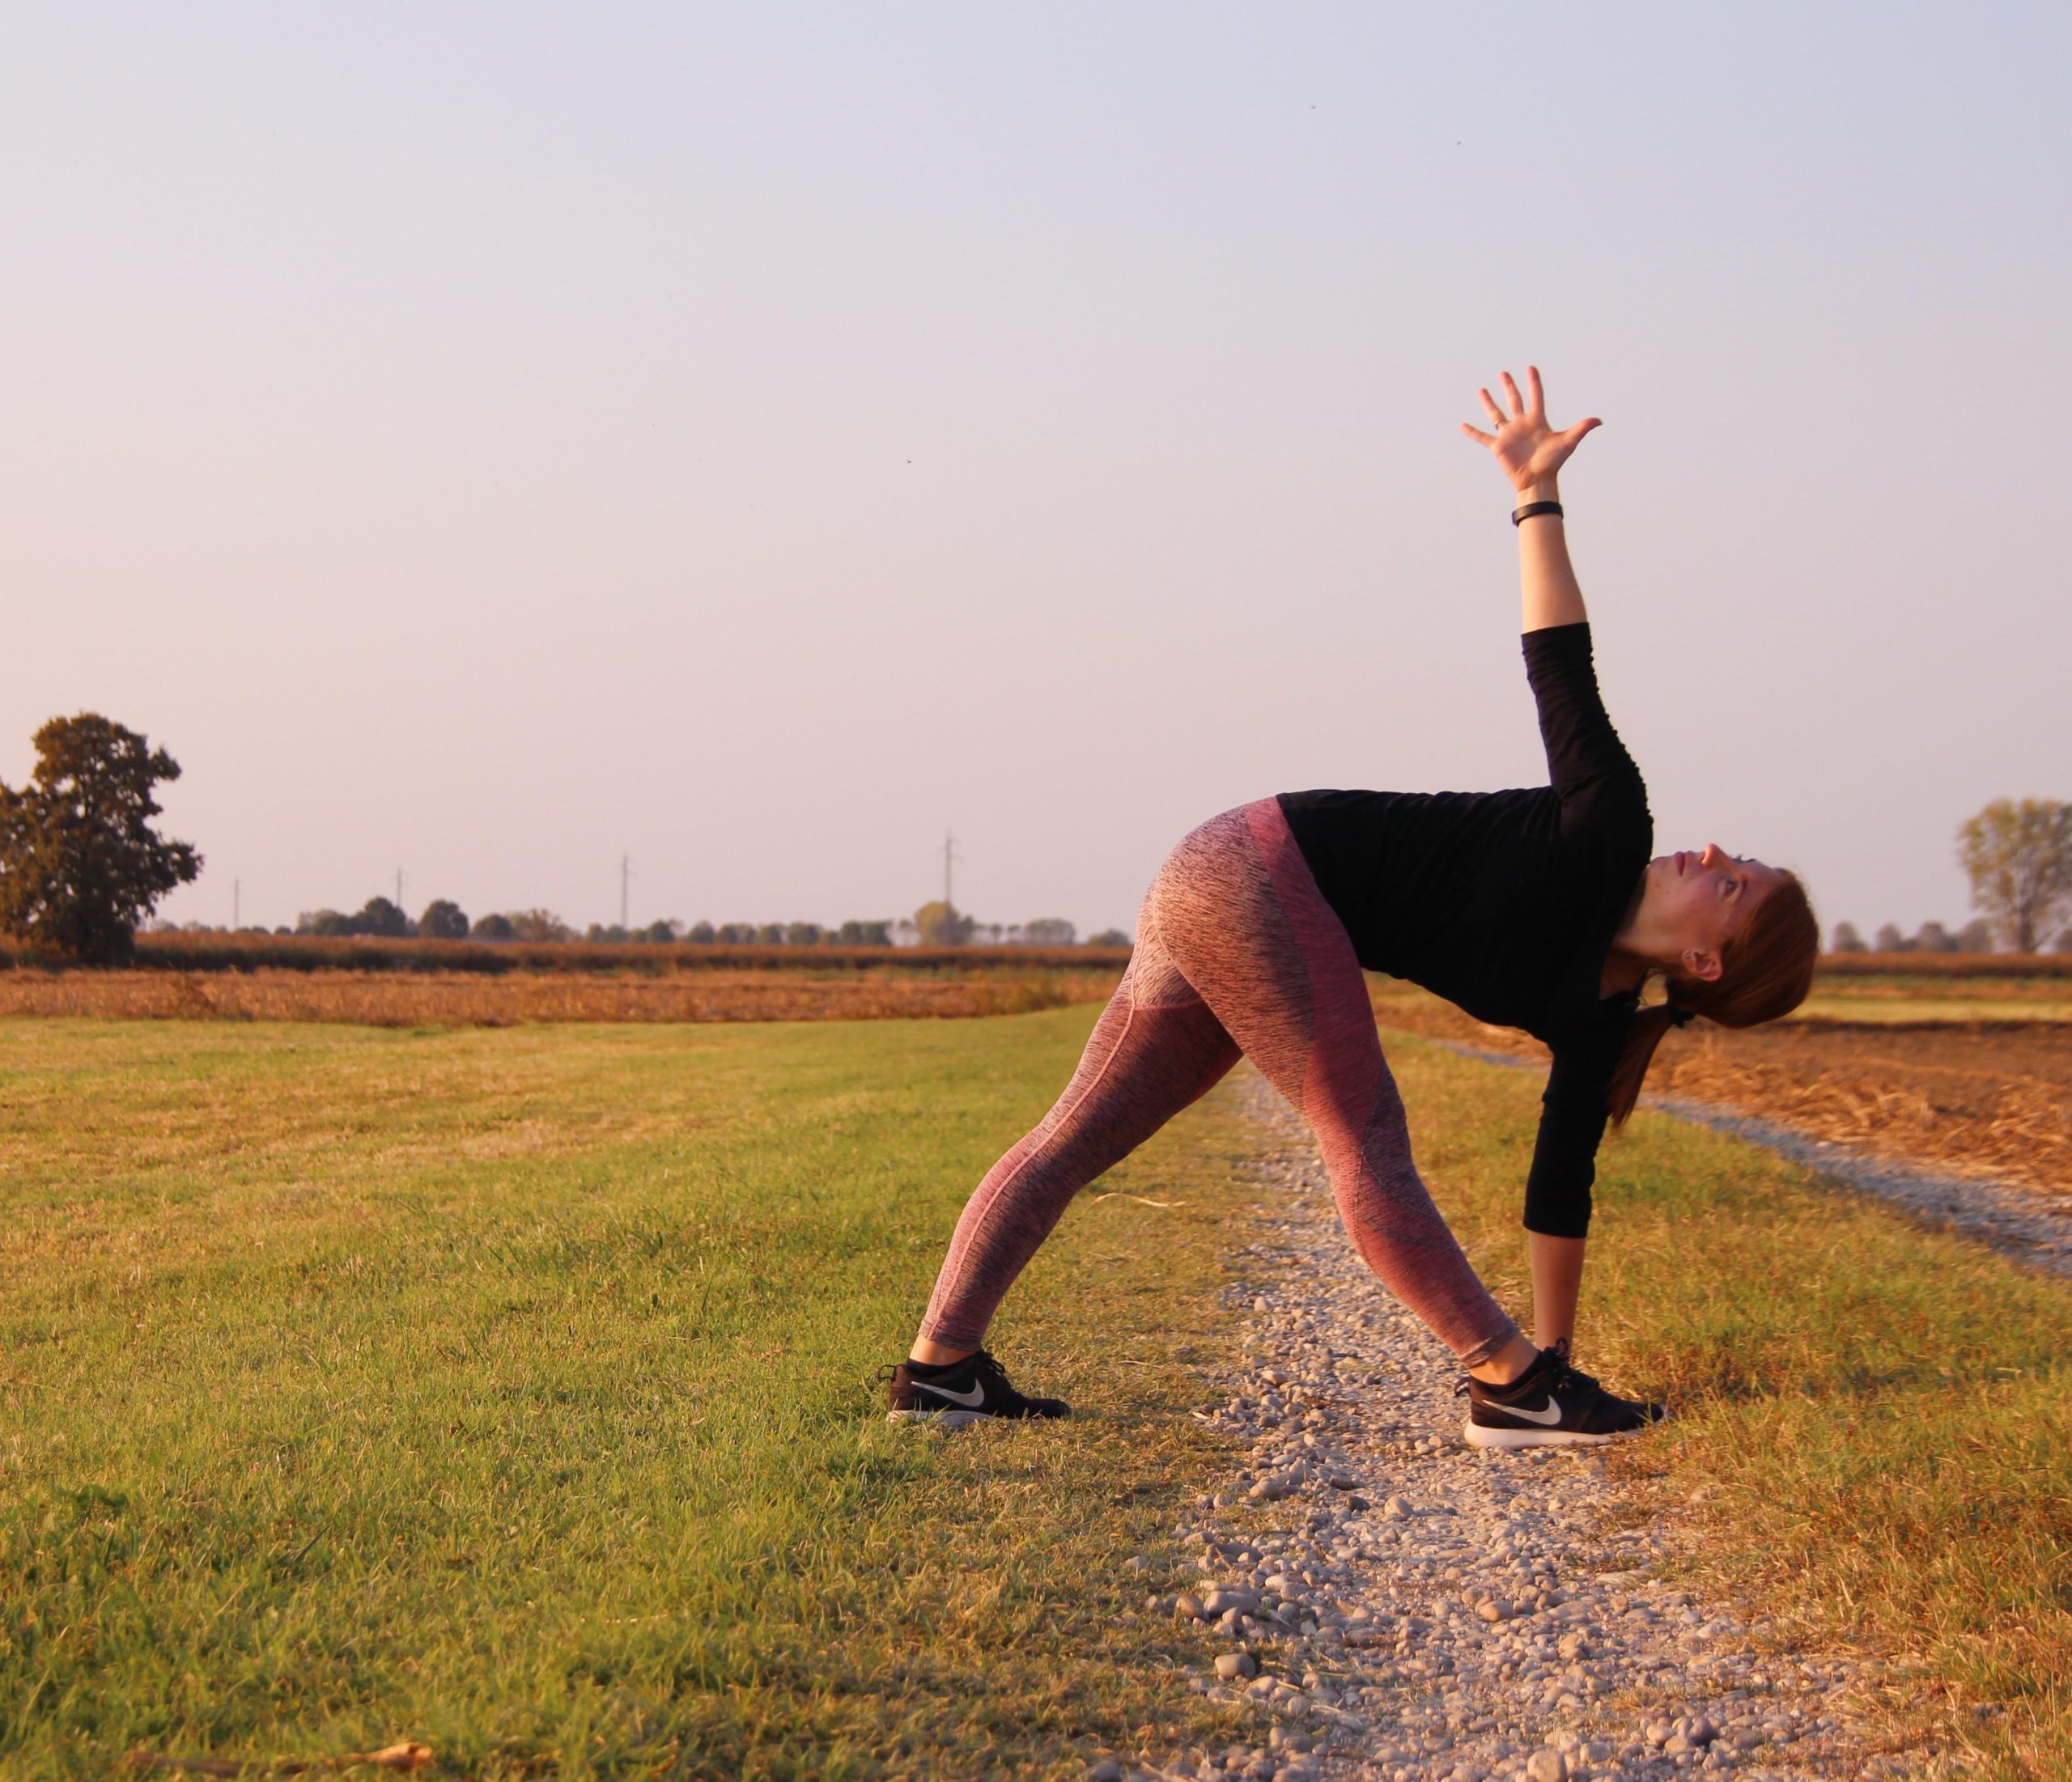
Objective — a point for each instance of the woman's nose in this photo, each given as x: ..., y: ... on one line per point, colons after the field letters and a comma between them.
x: 1713, y: 855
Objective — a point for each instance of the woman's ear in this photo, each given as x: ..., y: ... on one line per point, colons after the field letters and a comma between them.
x: 1702, y: 962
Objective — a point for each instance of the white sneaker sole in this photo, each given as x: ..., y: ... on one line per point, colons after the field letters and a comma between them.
x: 1481, y: 1436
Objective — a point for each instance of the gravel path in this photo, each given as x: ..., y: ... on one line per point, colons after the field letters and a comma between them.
x: 1391, y: 1603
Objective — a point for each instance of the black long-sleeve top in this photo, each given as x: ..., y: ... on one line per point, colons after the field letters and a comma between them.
x: 1506, y: 903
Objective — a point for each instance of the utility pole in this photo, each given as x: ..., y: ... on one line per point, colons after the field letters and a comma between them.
x: 399, y: 888
x: 236, y: 891
x: 949, y: 855
x: 625, y: 872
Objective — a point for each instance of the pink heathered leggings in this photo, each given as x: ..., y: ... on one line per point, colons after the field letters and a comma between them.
x: 1237, y: 953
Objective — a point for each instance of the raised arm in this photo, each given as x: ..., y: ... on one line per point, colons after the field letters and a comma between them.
x: 1532, y: 454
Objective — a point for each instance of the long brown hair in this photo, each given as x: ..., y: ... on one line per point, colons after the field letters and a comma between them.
x: 1765, y: 972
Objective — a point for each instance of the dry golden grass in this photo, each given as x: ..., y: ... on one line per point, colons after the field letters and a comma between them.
x: 2022, y: 1133
x: 382, y: 998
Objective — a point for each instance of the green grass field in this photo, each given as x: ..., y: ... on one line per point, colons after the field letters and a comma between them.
x: 507, y: 1389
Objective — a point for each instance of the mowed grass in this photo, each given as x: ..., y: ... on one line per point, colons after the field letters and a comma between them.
x: 1873, y: 1432
x: 508, y: 1390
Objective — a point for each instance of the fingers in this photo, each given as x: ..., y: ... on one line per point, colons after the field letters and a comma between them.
x: 1511, y: 390
x: 1490, y: 408
x: 1537, y: 407
x: 1575, y: 433
x: 1478, y: 436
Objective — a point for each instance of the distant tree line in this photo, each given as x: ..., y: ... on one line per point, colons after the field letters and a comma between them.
x: 932, y: 925
x: 82, y: 867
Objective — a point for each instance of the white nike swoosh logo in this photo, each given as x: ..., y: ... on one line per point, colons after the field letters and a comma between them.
x: 971, y: 1400
x: 1551, y: 1415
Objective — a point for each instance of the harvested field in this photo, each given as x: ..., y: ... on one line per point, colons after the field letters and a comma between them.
x: 1991, y: 1097
x: 254, y: 951
x: 419, y: 998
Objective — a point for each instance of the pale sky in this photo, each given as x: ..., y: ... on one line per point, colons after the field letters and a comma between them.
x: 482, y: 440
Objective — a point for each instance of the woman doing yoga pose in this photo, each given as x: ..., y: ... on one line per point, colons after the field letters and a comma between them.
x: 1537, y: 909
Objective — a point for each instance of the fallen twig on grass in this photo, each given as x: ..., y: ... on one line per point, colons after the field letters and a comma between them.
x: 1142, y: 1200
x: 409, y: 1755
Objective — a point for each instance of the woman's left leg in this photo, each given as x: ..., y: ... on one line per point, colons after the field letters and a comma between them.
x: 1156, y: 1049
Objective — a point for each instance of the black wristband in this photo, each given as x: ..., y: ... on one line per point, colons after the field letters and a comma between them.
x: 1532, y: 508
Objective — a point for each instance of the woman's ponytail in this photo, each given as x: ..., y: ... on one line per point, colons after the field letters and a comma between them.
x: 1765, y: 972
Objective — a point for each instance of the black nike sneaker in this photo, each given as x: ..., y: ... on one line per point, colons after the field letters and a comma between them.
x: 1552, y: 1404
x: 959, y: 1395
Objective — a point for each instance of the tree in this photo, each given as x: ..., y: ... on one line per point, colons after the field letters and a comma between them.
x: 1890, y: 940
x: 1109, y: 937
x: 865, y: 934
x: 658, y: 934
x: 328, y: 923
x: 378, y: 916
x: 1846, y: 938
x: 1048, y: 931
x: 538, y: 925
x: 771, y: 934
x: 494, y: 927
x: 2063, y: 944
x: 701, y: 934
x: 802, y: 934
x: 1933, y: 937
x: 1976, y: 936
x: 443, y: 919
x: 2018, y: 857
x: 80, y: 864
x: 939, y: 925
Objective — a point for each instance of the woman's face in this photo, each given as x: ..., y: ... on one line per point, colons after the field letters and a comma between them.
x: 1693, y: 905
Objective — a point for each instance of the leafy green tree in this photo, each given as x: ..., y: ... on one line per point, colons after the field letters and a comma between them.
x: 1976, y: 936
x: 657, y: 934
x: 328, y: 923
x: 865, y: 934
x: 939, y: 925
x: 80, y: 864
x: 701, y: 933
x: 1933, y: 937
x: 381, y: 918
x: 1890, y: 940
x: 802, y: 934
x: 494, y: 927
x: 443, y: 919
x: 1846, y: 938
x: 2018, y: 857
x: 1109, y: 937
x: 1048, y: 931
x: 771, y: 934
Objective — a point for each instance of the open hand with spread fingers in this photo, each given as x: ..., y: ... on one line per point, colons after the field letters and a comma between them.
x: 1531, y: 452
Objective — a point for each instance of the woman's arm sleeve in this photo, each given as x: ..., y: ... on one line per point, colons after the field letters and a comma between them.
x: 1572, y: 1113
x: 1582, y: 748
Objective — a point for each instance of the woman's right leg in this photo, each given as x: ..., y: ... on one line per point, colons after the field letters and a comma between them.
x: 1156, y: 1049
